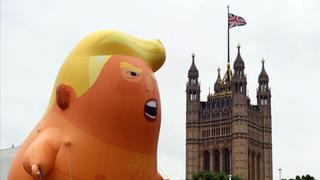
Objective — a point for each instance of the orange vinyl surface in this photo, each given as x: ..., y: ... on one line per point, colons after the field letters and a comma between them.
x: 109, y: 132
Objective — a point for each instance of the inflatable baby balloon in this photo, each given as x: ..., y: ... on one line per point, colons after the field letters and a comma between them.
x: 103, y: 119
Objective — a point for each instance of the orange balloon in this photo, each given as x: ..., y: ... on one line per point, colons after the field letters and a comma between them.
x: 110, y: 131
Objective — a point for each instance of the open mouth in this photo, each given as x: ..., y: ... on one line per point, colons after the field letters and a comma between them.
x: 150, y: 110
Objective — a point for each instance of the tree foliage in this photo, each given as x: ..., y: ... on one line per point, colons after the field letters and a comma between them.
x: 305, y: 177
x: 207, y: 175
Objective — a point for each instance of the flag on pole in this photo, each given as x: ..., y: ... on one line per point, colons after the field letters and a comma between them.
x: 235, y: 21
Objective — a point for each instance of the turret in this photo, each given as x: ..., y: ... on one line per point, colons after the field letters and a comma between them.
x: 264, y: 103
x: 192, y: 118
x: 240, y: 128
x: 239, y: 79
x: 193, y: 87
x: 217, y: 84
x: 239, y: 87
x: 263, y: 92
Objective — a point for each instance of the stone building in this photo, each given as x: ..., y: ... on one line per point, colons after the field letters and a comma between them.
x: 226, y: 132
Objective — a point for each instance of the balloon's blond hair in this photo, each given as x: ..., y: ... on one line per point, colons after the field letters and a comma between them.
x: 83, y: 65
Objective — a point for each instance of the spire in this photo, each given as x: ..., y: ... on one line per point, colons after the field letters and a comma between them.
x: 218, y: 82
x: 239, y: 63
x: 263, y: 77
x: 193, y: 85
x: 219, y: 77
x: 193, y: 67
x: 228, y: 75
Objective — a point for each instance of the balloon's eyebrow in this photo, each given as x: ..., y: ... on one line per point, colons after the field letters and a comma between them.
x: 126, y: 65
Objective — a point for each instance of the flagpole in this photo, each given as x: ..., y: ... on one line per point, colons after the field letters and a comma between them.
x: 228, y: 37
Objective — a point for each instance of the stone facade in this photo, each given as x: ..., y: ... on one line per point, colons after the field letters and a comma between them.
x: 227, y: 133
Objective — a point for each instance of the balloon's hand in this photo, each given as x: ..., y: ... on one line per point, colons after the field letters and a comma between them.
x: 39, y: 158
x: 35, y: 168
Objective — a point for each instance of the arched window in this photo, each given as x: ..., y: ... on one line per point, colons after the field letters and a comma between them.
x: 241, y: 88
x: 258, y: 167
x: 236, y: 88
x: 226, y: 155
x: 253, y: 174
x: 193, y: 96
x: 206, y: 161
x: 249, y: 165
x: 216, y: 161
x: 265, y: 101
x: 193, y: 81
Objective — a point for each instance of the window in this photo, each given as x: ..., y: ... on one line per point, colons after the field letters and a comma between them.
x: 226, y: 154
x: 206, y: 161
x: 193, y: 96
x: 258, y: 167
x: 253, y: 166
x: 265, y: 101
x: 216, y: 161
x: 263, y: 87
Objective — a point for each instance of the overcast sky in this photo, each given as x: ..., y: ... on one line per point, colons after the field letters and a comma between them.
x: 37, y: 35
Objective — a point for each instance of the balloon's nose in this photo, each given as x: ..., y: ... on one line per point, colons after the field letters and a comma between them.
x: 149, y: 84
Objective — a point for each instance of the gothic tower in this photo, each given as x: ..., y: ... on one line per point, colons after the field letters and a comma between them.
x: 226, y: 133
x: 240, y: 118
x: 264, y: 103
x: 192, y: 116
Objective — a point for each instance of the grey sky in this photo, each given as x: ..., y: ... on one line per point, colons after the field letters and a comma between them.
x: 37, y: 35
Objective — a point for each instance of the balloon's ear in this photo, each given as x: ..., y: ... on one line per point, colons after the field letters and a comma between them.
x: 63, y: 96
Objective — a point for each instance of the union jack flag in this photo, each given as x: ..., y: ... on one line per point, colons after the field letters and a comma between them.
x: 236, y: 21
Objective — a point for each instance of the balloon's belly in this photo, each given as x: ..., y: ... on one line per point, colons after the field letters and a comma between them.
x: 102, y: 162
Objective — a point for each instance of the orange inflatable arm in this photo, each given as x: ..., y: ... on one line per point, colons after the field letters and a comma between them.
x: 40, y: 156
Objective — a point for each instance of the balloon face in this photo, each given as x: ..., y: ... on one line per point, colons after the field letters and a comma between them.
x: 122, y: 106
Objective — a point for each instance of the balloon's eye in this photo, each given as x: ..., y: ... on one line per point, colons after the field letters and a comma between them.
x: 132, y: 73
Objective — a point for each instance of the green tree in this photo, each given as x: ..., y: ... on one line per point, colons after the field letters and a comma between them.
x: 308, y: 177
x: 207, y: 175
x: 305, y: 177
